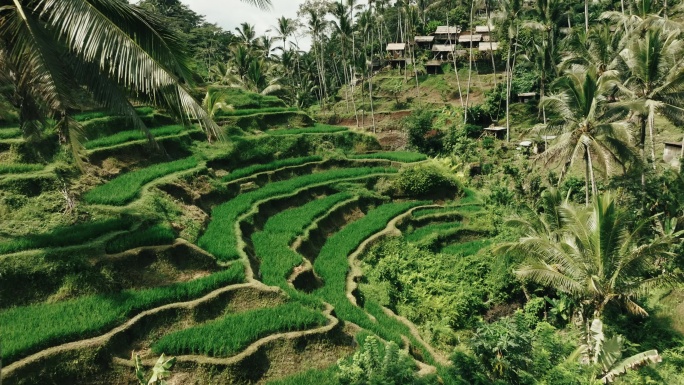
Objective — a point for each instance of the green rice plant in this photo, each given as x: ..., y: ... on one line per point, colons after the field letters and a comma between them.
x: 432, y: 230
x: 90, y: 115
x: 241, y: 99
x: 220, y: 238
x: 397, y: 156
x: 66, y: 236
x: 256, y: 168
x: 316, y: 129
x: 130, y: 135
x: 313, y: 376
x: 332, y: 266
x: 156, y: 235
x: 272, y: 244
x: 10, y: 133
x: 28, y: 329
x: 126, y: 187
x: 253, y: 111
x: 20, y: 168
x: 229, y: 335
x: 467, y: 248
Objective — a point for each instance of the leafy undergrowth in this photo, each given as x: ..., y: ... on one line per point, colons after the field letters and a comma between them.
x: 28, y: 329
x: 272, y: 244
x: 125, y: 188
x: 151, y: 236
x: 397, y: 156
x: 66, y: 236
x: 230, y: 334
x: 220, y: 237
x: 257, y: 168
x: 130, y: 135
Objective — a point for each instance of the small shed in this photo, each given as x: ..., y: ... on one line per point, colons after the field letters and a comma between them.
x: 444, y: 33
x: 672, y: 153
x: 496, y: 131
x: 434, y: 67
x: 396, y: 50
x: 488, y: 46
x: 424, y: 42
x: 484, y: 29
x: 470, y: 39
x: 525, y: 97
x: 445, y: 52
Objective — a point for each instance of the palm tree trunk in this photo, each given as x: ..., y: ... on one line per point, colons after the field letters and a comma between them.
x: 470, y: 67
x: 651, y: 123
x: 489, y: 30
x: 509, y: 82
x: 590, y: 165
x: 586, y: 16
x: 370, y: 79
x: 453, y: 57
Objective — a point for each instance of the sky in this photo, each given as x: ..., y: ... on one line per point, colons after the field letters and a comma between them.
x: 229, y: 14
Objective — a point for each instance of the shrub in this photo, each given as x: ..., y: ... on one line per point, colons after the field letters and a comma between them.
x: 421, y: 134
x: 427, y: 179
x: 126, y: 187
x: 377, y: 363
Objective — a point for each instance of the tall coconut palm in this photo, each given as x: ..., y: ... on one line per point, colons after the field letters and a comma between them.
x: 655, y: 79
x: 596, y: 256
x: 286, y: 27
x: 587, y: 126
x: 52, y: 51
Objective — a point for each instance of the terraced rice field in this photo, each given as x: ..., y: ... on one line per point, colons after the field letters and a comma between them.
x: 262, y: 238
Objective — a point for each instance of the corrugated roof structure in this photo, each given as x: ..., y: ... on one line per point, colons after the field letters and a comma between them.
x: 484, y: 28
x: 396, y: 46
x: 488, y: 46
x: 468, y: 38
x: 424, y: 39
x: 443, y: 30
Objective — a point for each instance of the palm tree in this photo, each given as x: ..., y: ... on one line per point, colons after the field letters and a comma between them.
x: 655, y: 79
x: 286, y: 27
x: 52, y: 51
x: 592, y: 254
x: 587, y: 125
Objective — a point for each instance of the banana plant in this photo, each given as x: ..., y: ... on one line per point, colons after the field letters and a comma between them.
x: 606, y: 352
x: 160, y: 372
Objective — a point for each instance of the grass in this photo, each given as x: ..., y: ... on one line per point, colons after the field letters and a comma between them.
x: 253, y: 111
x: 220, y: 238
x: 90, y: 115
x: 397, y: 156
x: 126, y: 187
x: 130, y: 135
x: 316, y: 129
x: 10, y: 133
x: 241, y: 99
x: 228, y: 335
x: 156, y: 235
x: 313, y: 376
x: 20, y: 168
x: 256, y: 168
x: 28, y: 329
x: 431, y: 230
x: 332, y: 266
x: 467, y: 248
x: 65, y: 236
x: 272, y: 244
